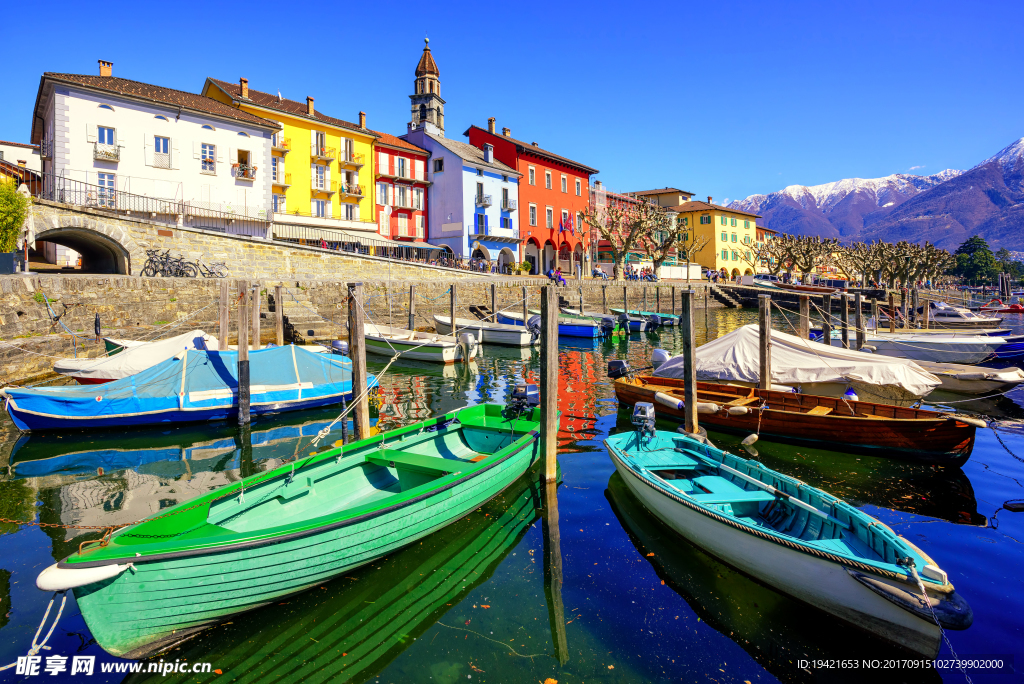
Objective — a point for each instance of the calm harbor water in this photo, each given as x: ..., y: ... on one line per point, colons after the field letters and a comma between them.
x: 620, y: 598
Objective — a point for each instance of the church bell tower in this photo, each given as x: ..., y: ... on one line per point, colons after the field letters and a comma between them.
x: 427, y: 105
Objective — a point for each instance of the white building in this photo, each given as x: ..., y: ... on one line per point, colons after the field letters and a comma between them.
x: 117, y: 134
x: 21, y: 154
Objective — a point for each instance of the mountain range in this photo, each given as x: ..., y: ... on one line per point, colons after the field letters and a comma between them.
x: 945, y: 208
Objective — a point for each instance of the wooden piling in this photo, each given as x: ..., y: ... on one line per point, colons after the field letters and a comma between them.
x: 412, y: 308
x: 549, y: 381
x: 892, y: 313
x: 673, y: 301
x: 526, y: 305
x: 858, y: 319
x: 625, y: 298
x: 646, y: 308
x: 657, y: 300
x: 903, y: 306
x: 764, y: 325
x: 915, y: 299
x: 243, y: 353
x: 357, y: 352
x: 494, y: 304
x: 826, y: 320
x: 805, y: 317
x: 927, y: 314
x: 257, y: 305
x: 604, y: 298
x: 553, y: 573
x: 453, y: 301
x: 279, y: 313
x: 844, y: 319
x: 690, y: 361
x: 224, y: 304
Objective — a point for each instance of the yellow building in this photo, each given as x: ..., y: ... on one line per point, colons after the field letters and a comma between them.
x: 731, y: 236
x: 322, y: 167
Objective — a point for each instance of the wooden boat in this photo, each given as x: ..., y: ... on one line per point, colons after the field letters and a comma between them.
x: 807, y: 289
x: 277, y: 533
x: 487, y: 332
x: 664, y: 318
x: 880, y: 429
x: 794, y: 538
x: 352, y: 628
x: 567, y: 326
x: 421, y: 346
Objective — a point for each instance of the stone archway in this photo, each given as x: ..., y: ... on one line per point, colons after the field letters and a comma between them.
x: 104, y: 246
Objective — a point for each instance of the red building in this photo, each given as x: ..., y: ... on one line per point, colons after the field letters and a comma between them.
x: 401, y: 188
x: 553, y: 192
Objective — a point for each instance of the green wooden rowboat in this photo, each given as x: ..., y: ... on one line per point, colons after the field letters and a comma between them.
x: 278, y: 533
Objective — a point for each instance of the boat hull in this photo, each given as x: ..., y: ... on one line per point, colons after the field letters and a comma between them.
x: 565, y: 329
x: 160, y: 602
x: 918, y: 349
x: 821, y: 583
x: 941, y: 441
x: 487, y: 333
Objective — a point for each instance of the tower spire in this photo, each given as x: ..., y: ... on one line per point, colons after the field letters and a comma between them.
x: 427, y: 105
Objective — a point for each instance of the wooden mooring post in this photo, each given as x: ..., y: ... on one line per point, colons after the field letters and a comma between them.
x: 257, y: 305
x: 549, y: 381
x: 805, y: 317
x: 844, y: 319
x: 657, y: 300
x: 625, y: 298
x: 279, y: 314
x: 927, y: 314
x: 903, y: 307
x: 673, y: 301
x: 357, y: 352
x: 224, y: 305
x: 553, y: 572
x: 526, y: 305
x: 892, y: 313
x: 915, y: 300
x: 494, y: 304
x: 412, y: 307
x: 826, y: 320
x: 243, y: 353
x: 646, y: 308
x: 453, y: 301
x: 604, y: 299
x: 764, y: 325
x: 686, y: 325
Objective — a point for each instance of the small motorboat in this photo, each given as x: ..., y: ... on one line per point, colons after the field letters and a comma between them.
x: 114, y: 345
x: 152, y: 584
x: 958, y: 378
x: 663, y: 318
x: 567, y: 326
x: 962, y: 349
x: 131, y: 357
x: 622, y: 322
x: 792, y: 537
x: 489, y: 333
x: 422, y: 346
x: 997, y: 306
x: 943, y: 315
x: 898, y: 432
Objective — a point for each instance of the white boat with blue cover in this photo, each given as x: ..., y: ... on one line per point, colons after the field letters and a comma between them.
x: 192, y: 386
x: 567, y: 327
x: 790, y: 536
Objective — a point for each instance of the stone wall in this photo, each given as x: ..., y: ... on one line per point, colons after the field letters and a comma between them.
x: 154, y: 308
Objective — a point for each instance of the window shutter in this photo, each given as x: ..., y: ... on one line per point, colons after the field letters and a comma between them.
x: 328, y: 207
x: 280, y: 169
x: 312, y: 175
x: 312, y: 139
x: 175, y: 164
x: 148, y: 149
x: 355, y: 213
x: 232, y: 155
x: 327, y: 175
x: 220, y: 153
x: 90, y: 132
x: 312, y: 207
x: 197, y: 148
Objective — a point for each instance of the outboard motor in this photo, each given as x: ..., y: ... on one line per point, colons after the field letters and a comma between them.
x: 624, y: 322
x: 607, y: 325
x: 467, y: 341
x: 618, y: 369
x: 339, y: 347
x: 533, y: 327
x: 659, y: 356
x: 654, y: 320
x: 643, y: 419
x: 525, y: 397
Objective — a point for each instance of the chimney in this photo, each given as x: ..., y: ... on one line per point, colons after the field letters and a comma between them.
x: 597, y: 184
x: 535, y: 144
x: 309, y: 105
x: 21, y: 163
x: 489, y: 152
x: 244, y: 82
x: 490, y: 125
x: 362, y: 119
x: 709, y: 199
x: 507, y: 132
x: 106, y: 68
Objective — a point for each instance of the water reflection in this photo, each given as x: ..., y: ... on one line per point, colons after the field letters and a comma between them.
x: 350, y: 628
x: 775, y: 630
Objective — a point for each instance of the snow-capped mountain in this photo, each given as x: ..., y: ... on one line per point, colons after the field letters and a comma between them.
x: 944, y: 208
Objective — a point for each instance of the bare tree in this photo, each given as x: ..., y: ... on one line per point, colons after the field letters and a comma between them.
x: 663, y: 237
x: 804, y: 254
x: 770, y: 254
x: 623, y: 225
x: 690, y: 248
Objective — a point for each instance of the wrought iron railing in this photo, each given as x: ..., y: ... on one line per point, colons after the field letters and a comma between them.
x: 101, y: 152
x: 356, y: 159
x: 246, y: 171
x: 371, y: 244
x: 323, y: 152
x: 162, y: 160
x: 483, y: 200
x: 283, y: 179
x: 352, y: 189
x: 46, y: 149
x: 281, y: 144
x: 509, y: 205
x: 318, y: 185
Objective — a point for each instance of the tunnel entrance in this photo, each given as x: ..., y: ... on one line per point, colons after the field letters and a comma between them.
x: 99, y: 253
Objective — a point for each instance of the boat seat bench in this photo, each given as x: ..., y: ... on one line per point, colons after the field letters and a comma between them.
x: 430, y: 465
x: 731, y: 498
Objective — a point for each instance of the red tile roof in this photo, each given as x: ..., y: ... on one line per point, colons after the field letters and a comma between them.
x: 392, y: 141
x: 18, y: 144
x: 283, y: 105
x: 427, y: 64
x: 533, y: 149
x: 155, y: 93
x: 660, y: 191
x: 696, y: 205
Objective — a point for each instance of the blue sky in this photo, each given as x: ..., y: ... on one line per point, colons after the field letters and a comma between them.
x: 724, y: 99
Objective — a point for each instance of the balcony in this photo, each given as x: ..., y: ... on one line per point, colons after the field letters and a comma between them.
x: 410, y: 232
x: 283, y: 180
x: 509, y: 205
x: 508, y: 235
x: 108, y: 153
x: 46, y: 149
x: 323, y: 153
x: 209, y: 167
x: 483, y: 200
x: 162, y: 160
x: 324, y: 186
x: 352, y: 190
x: 281, y: 144
x: 354, y: 159
x: 243, y: 171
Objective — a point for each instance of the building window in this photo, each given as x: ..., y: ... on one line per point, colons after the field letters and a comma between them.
x: 403, y: 196
x: 319, y: 208
x: 685, y: 221
x: 348, y: 211
x: 746, y: 224
x: 320, y: 177
x: 533, y: 214
x: 279, y: 204
x: 106, y: 135
x: 735, y: 256
x: 725, y: 255
x: 209, y: 158
x: 479, y: 192
x: 705, y: 220
x: 725, y: 236
x: 479, y: 172
x: 273, y: 169
x: 746, y: 254
x: 565, y: 184
x: 209, y: 127
x: 481, y: 223
x: 417, y: 198
x: 161, y: 152
x: 402, y: 168
x: 746, y: 239
x: 504, y: 179
x: 734, y: 237
x: 686, y: 237
x: 506, y: 222
x: 725, y: 221
x: 550, y: 217
x: 579, y: 188
x: 107, y: 195
x: 438, y: 165
x: 533, y: 176
x: 565, y: 218
x: 547, y: 180
x: 382, y: 193
x: 733, y: 222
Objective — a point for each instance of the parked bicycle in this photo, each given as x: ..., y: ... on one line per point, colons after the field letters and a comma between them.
x: 163, y: 264
x: 217, y: 269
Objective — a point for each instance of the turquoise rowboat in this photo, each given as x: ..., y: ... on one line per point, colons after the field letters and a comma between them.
x: 792, y: 537
x: 278, y: 533
x: 666, y: 319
